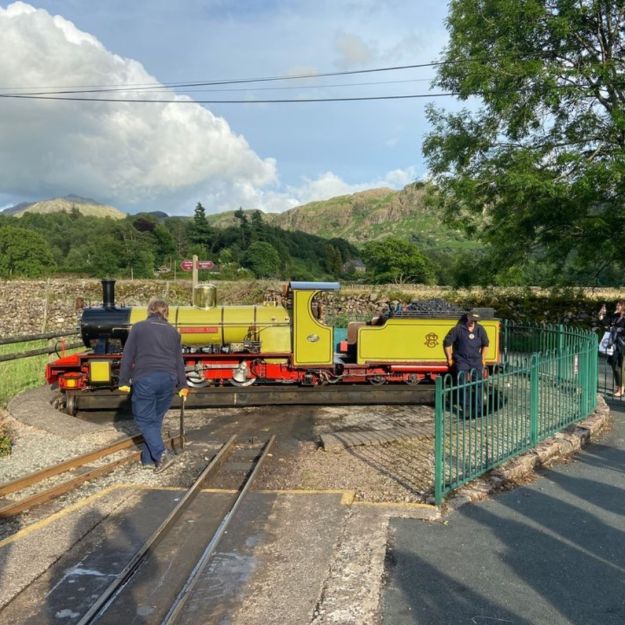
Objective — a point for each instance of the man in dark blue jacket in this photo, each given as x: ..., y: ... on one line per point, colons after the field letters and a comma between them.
x: 466, y: 346
x: 152, y: 363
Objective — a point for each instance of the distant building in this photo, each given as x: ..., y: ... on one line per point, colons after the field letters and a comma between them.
x: 353, y: 265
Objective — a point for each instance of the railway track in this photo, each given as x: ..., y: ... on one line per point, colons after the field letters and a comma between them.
x: 135, y: 579
x: 159, y: 579
x: 155, y: 580
x: 79, y: 470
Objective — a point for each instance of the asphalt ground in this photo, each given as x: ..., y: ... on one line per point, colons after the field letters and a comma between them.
x: 549, y: 553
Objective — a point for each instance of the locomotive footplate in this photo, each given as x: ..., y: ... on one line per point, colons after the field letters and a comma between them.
x: 225, y: 396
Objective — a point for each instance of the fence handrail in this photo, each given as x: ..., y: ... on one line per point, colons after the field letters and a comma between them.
x: 53, y: 349
x: 24, y: 338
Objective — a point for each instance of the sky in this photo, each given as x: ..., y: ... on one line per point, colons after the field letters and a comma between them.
x: 168, y: 156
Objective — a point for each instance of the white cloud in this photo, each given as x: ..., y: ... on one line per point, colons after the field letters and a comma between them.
x: 116, y: 152
x: 352, y: 51
x: 148, y: 156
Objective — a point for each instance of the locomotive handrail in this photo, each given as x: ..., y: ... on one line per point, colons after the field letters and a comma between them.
x: 25, y: 338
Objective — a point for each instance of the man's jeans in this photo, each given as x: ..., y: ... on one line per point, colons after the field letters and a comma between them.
x: 151, y: 398
x: 470, y: 399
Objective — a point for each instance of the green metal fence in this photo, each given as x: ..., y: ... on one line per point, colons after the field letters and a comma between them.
x: 547, y: 380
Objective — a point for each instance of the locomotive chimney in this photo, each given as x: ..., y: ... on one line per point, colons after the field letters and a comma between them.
x: 108, y: 294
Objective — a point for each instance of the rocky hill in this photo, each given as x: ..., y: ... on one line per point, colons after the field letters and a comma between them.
x: 361, y: 217
x: 67, y: 203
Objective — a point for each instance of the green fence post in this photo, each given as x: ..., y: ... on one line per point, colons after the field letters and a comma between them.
x: 438, y: 442
x: 505, y: 342
x: 534, y: 370
x: 594, y: 383
x: 560, y: 347
x: 584, y: 373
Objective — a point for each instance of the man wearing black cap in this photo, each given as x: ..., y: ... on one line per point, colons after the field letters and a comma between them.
x: 466, y: 345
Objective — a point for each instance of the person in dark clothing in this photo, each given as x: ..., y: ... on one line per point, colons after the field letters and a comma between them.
x: 152, y: 364
x: 617, y: 338
x: 466, y: 346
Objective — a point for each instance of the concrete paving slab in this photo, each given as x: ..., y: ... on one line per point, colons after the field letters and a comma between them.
x: 271, y: 565
x: 94, y: 543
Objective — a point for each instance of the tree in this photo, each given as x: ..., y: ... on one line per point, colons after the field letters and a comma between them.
x: 396, y: 260
x: 333, y: 260
x: 538, y: 170
x: 99, y: 257
x: 263, y: 259
x: 245, y: 231
x: 201, y: 232
x: 24, y: 253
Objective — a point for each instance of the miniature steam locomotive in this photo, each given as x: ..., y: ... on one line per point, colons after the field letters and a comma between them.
x: 266, y: 344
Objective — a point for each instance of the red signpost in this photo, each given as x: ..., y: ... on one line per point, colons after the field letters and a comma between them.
x: 187, y: 264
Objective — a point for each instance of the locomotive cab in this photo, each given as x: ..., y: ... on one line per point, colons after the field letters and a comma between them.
x: 313, y: 341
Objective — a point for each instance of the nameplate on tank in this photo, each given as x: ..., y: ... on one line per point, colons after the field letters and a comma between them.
x: 198, y: 330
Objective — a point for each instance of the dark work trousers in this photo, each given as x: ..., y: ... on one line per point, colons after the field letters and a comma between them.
x: 470, y: 397
x: 151, y: 398
x: 617, y: 363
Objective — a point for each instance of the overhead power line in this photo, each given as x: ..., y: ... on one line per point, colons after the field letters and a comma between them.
x: 162, y: 89
x: 229, y: 81
x: 248, y: 101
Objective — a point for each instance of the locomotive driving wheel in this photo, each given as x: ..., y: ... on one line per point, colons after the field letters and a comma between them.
x: 247, y: 382
x: 71, y: 403
x: 376, y: 380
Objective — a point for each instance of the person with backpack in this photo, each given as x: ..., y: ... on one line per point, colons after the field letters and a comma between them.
x: 616, y: 360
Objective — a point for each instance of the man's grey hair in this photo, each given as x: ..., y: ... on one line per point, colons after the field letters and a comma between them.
x: 158, y: 306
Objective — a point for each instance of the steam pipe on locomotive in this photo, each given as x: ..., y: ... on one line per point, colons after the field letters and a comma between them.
x: 268, y: 343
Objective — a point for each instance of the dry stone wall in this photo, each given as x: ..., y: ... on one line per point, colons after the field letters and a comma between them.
x: 33, y: 306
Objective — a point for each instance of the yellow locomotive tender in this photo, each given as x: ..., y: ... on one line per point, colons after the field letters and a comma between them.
x: 268, y: 343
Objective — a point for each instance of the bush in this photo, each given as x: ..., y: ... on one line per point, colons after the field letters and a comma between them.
x: 6, y: 442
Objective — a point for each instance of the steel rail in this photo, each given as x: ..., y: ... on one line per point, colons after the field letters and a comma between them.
x: 124, y: 576
x: 60, y: 489
x: 186, y: 590
x: 14, y: 508
x: 73, y: 463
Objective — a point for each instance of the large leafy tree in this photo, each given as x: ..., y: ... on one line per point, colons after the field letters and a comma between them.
x: 24, y: 253
x: 263, y: 259
x: 398, y: 261
x: 536, y: 164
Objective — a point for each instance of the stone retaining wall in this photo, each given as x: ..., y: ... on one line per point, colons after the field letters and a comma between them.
x: 33, y: 306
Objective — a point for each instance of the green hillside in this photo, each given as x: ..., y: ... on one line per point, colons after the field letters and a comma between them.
x: 366, y: 216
